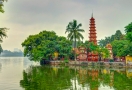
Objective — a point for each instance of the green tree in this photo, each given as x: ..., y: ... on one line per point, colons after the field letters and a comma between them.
x: 120, y: 47
x: 74, y: 32
x: 128, y: 30
x: 1, y: 50
x: 102, y: 52
x: 102, y: 43
x: 117, y: 36
x: 3, y: 33
x: 129, y: 36
x: 44, y: 44
x: 1, y: 5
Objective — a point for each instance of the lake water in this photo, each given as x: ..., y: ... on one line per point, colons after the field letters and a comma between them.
x: 21, y: 74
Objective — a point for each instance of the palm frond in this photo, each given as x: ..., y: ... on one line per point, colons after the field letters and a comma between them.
x: 1, y: 40
x: 69, y: 35
x: 74, y: 24
x: 80, y: 35
x: 78, y: 26
x: 71, y: 39
x: 80, y: 30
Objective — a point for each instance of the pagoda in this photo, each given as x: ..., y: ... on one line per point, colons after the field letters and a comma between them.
x: 92, y: 38
x: 109, y: 47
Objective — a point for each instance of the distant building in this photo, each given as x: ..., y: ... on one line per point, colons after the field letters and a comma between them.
x: 7, y: 53
x: 17, y: 50
x: 82, y: 54
x: 109, y: 47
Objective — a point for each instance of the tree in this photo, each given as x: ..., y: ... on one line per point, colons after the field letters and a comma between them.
x: 117, y: 36
x: 102, y: 52
x: 1, y: 50
x: 1, y: 5
x: 129, y: 36
x: 44, y: 44
x: 74, y: 32
x: 3, y: 33
x: 102, y: 43
x: 120, y: 47
x: 128, y: 30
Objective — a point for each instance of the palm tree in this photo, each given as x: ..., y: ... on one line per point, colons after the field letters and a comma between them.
x: 2, y: 33
x: 74, y: 32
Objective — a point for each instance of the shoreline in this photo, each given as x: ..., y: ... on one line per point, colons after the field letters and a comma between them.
x: 86, y: 63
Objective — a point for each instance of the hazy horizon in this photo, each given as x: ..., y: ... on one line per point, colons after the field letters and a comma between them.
x: 26, y: 18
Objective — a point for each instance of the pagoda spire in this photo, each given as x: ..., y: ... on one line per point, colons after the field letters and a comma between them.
x: 92, y: 34
x: 92, y: 14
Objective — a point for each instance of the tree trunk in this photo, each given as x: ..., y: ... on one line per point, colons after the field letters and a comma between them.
x: 75, y: 49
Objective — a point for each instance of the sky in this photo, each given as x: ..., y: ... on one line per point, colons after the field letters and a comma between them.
x: 29, y: 17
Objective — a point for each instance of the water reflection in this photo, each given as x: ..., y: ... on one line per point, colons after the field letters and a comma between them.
x: 76, y: 78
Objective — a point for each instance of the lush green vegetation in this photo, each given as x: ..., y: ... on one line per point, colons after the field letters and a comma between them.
x: 1, y: 50
x: 2, y: 30
x: 2, y: 35
x: 44, y: 44
x: 117, y: 36
x: 121, y: 43
x: 1, y: 5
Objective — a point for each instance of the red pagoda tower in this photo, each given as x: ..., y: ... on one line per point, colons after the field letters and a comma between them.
x: 92, y: 38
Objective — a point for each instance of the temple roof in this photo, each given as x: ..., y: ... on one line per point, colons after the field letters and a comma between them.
x: 108, y: 45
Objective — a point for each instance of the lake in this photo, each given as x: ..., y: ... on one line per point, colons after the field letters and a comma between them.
x: 18, y: 73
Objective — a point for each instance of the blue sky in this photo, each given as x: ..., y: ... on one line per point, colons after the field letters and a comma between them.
x: 28, y: 17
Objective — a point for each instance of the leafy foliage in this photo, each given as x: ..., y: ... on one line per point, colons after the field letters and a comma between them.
x: 117, y: 36
x: 44, y: 44
x: 1, y: 50
x: 103, y: 52
x: 74, y: 32
x: 128, y: 28
x: 120, y: 47
x: 3, y: 33
x: 1, y: 5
